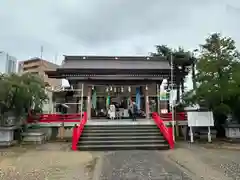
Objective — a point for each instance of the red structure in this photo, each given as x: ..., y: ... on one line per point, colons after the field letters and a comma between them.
x: 77, y: 131
x: 166, y: 131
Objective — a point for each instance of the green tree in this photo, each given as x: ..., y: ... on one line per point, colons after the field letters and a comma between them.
x: 19, y: 93
x: 182, y: 60
x: 218, y: 77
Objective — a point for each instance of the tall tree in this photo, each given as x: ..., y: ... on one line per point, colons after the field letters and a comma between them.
x: 218, y: 76
x: 181, y: 61
x: 216, y: 65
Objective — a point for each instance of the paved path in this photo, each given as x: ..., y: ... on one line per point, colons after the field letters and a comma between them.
x: 139, y: 165
x: 186, y: 162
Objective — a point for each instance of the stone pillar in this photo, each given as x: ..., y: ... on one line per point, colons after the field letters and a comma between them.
x: 146, y: 102
x: 89, y: 102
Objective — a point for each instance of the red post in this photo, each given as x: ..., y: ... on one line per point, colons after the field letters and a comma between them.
x: 170, y: 132
x: 74, y: 138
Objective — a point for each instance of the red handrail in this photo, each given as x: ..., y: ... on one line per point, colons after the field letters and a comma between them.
x: 55, y: 118
x: 167, y: 132
x: 180, y: 116
x: 77, y: 131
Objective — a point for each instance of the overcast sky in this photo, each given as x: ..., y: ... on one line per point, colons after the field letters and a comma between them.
x: 111, y: 27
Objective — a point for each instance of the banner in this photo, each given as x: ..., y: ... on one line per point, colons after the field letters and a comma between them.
x: 164, y: 96
x: 138, y: 97
x: 94, y: 99
x: 107, y: 101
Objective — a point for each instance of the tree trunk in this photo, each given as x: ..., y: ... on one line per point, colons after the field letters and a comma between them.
x: 178, y: 91
x: 182, y: 85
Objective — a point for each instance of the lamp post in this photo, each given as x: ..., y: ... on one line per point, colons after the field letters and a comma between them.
x: 172, y: 103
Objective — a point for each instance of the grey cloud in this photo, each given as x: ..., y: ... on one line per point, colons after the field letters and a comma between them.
x: 123, y: 19
x: 111, y: 27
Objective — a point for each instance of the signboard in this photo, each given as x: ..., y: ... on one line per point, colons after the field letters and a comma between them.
x: 164, y: 96
x: 200, y: 119
x: 164, y: 111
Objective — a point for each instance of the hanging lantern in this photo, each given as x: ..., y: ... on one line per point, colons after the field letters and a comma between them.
x: 92, y: 87
x: 122, y: 89
x: 129, y: 88
x: 111, y: 88
x: 146, y: 87
x: 115, y: 89
x: 107, y: 89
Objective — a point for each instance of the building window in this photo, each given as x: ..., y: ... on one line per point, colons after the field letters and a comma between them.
x: 30, y: 68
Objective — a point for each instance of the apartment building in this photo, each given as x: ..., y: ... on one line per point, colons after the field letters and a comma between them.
x: 8, y: 63
x: 39, y: 66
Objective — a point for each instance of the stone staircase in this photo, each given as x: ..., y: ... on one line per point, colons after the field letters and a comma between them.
x: 121, y: 137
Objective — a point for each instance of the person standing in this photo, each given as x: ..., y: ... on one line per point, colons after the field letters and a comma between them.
x: 112, y: 112
x: 134, y: 111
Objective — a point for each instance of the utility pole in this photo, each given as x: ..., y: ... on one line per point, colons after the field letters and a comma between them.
x: 172, y: 103
x: 41, y: 52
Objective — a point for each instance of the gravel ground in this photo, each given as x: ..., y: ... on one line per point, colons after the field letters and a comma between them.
x: 223, y: 160
x: 209, y: 163
x: 52, y: 161
x: 139, y: 165
x: 56, y: 161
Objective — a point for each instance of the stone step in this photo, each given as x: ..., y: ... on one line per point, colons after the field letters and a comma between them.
x: 109, y: 138
x: 120, y: 130
x: 122, y: 137
x: 120, y: 134
x: 120, y: 141
x: 120, y: 127
x: 104, y: 147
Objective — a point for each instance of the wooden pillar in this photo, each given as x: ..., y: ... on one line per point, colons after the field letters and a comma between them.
x: 89, y: 102
x: 146, y: 102
x: 78, y: 97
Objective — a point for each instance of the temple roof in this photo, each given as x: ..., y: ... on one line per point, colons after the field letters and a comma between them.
x: 108, y: 62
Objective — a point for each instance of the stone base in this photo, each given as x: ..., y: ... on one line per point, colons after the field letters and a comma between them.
x: 7, y: 143
x: 6, y: 136
x: 232, y: 131
x: 46, y: 130
x: 33, y: 138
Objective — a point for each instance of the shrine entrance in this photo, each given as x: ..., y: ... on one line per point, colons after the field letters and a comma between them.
x: 121, y: 97
x: 115, y: 80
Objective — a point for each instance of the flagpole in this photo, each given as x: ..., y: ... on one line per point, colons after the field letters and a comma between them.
x: 172, y: 103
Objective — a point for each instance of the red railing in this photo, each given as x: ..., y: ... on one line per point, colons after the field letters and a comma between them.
x: 166, y: 131
x: 180, y: 116
x: 77, y: 131
x: 55, y: 118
